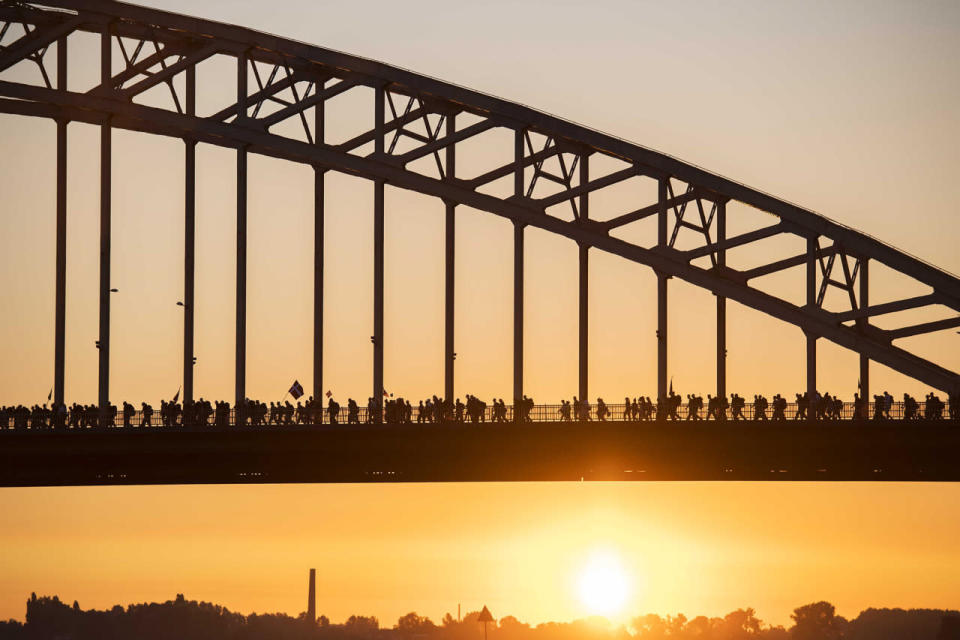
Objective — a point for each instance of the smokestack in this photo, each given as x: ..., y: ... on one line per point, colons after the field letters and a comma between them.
x: 312, y: 598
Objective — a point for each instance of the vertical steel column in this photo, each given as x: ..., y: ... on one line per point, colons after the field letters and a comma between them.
x: 864, y: 303
x: 60, y: 320
x: 240, y: 393
x: 518, y: 280
x: 378, y: 262
x: 661, y: 336
x: 449, y: 289
x: 811, y: 338
x: 189, y: 240
x: 318, y: 200
x: 662, y: 295
x: 584, y: 356
x: 105, y: 168
x: 721, y: 302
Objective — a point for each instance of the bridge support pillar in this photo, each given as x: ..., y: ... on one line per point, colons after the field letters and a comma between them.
x: 240, y: 391
x: 864, y: 303
x: 721, y: 347
x: 449, y: 291
x: 318, y: 222
x: 518, y: 183
x: 811, y: 338
x: 584, y: 351
x: 378, y: 265
x: 189, y: 241
x: 378, y: 259
x: 583, y: 359
x: 517, y: 318
x: 662, y: 294
x: 105, y: 224
x: 449, y: 356
x: 721, y: 303
x: 662, y: 336
x: 61, y: 259
x: 811, y: 372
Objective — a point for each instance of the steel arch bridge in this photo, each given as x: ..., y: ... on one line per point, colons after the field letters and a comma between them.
x: 417, y: 126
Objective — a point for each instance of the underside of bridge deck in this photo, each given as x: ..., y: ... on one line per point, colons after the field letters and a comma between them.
x: 918, y: 451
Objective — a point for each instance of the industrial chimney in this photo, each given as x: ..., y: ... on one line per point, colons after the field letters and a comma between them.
x: 312, y: 598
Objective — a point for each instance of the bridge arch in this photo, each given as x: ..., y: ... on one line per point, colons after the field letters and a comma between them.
x: 412, y: 142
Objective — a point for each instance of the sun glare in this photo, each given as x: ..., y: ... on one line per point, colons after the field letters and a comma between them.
x: 603, y: 584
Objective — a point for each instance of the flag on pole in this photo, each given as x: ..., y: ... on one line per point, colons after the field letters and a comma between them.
x: 49, y: 395
x: 176, y: 396
x: 385, y: 394
x: 296, y: 390
x: 329, y: 393
x: 671, y: 385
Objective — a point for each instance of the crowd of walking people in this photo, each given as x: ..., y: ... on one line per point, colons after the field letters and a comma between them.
x: 438, y: 410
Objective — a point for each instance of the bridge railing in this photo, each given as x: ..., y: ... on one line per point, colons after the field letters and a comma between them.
x: 538, y: 413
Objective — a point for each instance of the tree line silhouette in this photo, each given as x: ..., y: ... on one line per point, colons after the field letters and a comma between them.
x: 48, y: 617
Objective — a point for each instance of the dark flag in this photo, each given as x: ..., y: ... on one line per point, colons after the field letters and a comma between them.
x: 671, y: 385
x: 49, y: 395
x: 296, y: 390
x: 329, y: 393
x: 176, y: 396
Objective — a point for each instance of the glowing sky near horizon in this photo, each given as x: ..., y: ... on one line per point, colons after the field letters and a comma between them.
x: 521, y: 549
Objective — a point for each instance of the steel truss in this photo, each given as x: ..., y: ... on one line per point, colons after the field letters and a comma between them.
x: 419, y: 118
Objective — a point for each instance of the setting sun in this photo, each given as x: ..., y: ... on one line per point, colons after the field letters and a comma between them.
x: 603, y: 583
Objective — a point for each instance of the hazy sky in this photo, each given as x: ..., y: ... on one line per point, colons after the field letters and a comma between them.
x: 848, y: 109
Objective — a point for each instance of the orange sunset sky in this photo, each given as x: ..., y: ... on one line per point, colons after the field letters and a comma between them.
x: 846, y: 109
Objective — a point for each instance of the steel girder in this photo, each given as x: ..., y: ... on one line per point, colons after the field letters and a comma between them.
x: 292, y: 77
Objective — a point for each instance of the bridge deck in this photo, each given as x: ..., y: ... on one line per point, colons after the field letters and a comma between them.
x: 916, y: 451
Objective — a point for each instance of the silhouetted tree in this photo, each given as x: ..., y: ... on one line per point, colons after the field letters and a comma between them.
x: 817, y: 621
x: 361, y: 626
x: 510, y: 624
x: 412, y: 624
x: 738, y: 625
x: 892, y: 624
x: 48, y: 617
x: 11, y: 630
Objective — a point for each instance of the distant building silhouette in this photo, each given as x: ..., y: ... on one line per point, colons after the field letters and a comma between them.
x: 312, y: 598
